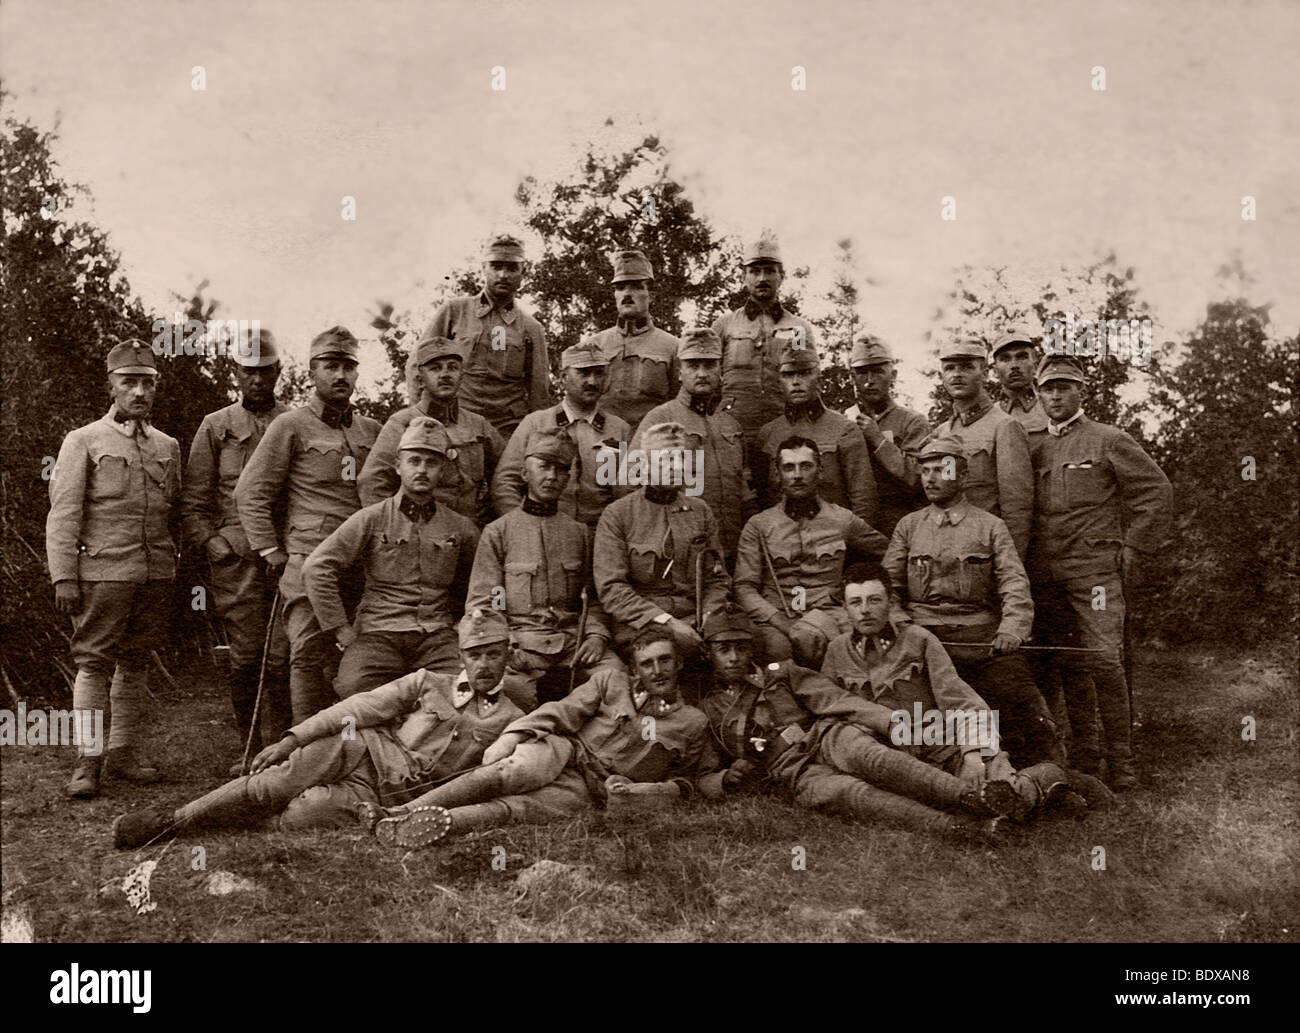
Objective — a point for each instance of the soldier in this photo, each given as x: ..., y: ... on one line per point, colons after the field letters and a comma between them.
x: 1014, y: 359
x: 894, y: 435
x: 592, y: 429
x: 751, y: 337
x: 241, y: 589
x: 570, y: 754
x: 507, y: 373
x: 711, y: 431
x: 417, y: 557
x: 1001, y: 478
x: 642, y: 373
x: 791, y: 558
x: 787, y: 726
x: 846, y: 476
x: 535, y: 563
x: 112, y: 560
x: 311, y: 457
x: 379, y: 747
x: 474, y: 446
x: 961, y: 579
x: 657, y: 558
x: 1102, y: 507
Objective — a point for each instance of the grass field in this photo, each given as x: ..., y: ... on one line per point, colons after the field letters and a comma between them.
x: 1207, y: 850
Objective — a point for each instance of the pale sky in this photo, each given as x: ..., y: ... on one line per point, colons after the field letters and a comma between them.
x: 906, y: 103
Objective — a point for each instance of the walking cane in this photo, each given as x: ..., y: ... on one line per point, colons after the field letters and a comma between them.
x: 771, y: 569
x: 261, y: 679
x: 582, y: 631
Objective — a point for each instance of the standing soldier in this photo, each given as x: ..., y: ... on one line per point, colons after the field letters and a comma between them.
x: 112, y: 560
x: 417, y: 557
x: 473, y: 445
x: 894, y: 435
x: 791, y: 559
x: 751, y: 336
x: 506, y: 373
x: 311, y: 456
x: 588, y: 425
x: 535, y: 564
x: 1102, y: 508
x: 642, y: 373
x: 1014, y: 359
x: 241, y: 589
x: 712, y: 431
x: 846, y: 478
x: 1001, y: 477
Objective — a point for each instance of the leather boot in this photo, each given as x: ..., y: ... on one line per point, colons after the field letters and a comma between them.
x: 277, y: 710
x: 472, y: 787
x: 122, y: 762
x: 84, y: 783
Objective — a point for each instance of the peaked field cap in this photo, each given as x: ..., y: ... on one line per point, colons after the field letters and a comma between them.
x: 944, y: 445
x: 131, y: 356
x: 663, y: 436
x: 261, y: 350
x: 1059, y: 367
x: 426, y: 434
x: 631, y: 265
x: 796, y: 350
x: 431, y: 347
x: 335, y: 343
x: 869, y: 350
x: 765, y: 249
x: 583, y: 355
x: 504, y: 248
x: 728, y: 623
x: 700, y: 342
x: 963, y: 349
x: 1019, y: 334
x: 481, y: 627
x: 547, y: 444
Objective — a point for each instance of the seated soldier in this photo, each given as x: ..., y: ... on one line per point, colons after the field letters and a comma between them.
x: 791, y: 727
x: 613, y: 734
x: 961, y: 579
x: 417, y: 556
x: 791, y: 557
x: 378, y: 747
x: 535, y: 564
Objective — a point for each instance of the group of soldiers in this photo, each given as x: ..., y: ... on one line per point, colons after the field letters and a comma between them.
x: 460, y: 619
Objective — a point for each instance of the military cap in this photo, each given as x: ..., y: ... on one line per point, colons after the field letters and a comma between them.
x: 582, y: 355
x: 870, y: 351
x: 631, y: 265
x: 479, y: 627
x: 795, y: 349
x: 963, y: 349
x: 943, y: 445
x: 663, y: 436
x: 431, y: 347
x: 1059, y: 367
x: 765, y: 249
x: 427, y: 434
x: 335, y: 343
x: 1016, y: 335
x: 728, y: 623
x: 559, y: 448
x: 504, y: 248
x: 700, y: 342
x: 257, y: 350
x: 133, y: 356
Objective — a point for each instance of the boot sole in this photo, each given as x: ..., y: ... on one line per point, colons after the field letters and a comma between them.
x: 1002, y: 799
x: 422, y: 827
x: 88, y: 793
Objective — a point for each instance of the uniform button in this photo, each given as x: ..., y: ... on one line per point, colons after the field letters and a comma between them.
x: 456, y: 734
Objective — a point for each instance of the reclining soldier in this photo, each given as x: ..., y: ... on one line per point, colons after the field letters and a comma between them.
x: 378, y: 747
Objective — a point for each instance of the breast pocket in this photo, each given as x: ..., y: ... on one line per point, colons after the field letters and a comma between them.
x: 975, y: 576
x: 645, y: 562
x: 652, y: 377
x: 392, y: 559
x: 519, y: 585
x: 741, y: 351
x: 322, y: 459
x: 1087, y: 483
x: 467, y: 463
x: 573, y: 578
x: 232, y: 452
x: 438, y: 558
x: 110, y: 477
x: 920, y: 576
x: 164, y: 478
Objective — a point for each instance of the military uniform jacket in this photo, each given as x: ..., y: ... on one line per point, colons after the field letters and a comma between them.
x: 111, y: 499
x: 419, y: 728
x: 475, y: 446
x: 222, y: 446
x: 807, y: 553
x: 1097, y: 491
x: 898, y: 471
x: 958, y: 566
x: 644, y: 559
x: 913, y: 668
x: 642, y: 369
x: 1027, y: 411
x: 314, y: 467
x: 584, y: 497
x: 712, y: 430
x: 610, y: 722
x: 1001, y: 478
x: 416, y: 571
x: 501, y: 383
x: 751, y: 372
x: 847, y: 478
x: 542, y: 563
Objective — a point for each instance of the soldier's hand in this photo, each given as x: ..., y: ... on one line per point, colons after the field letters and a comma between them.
x: 1003, y: 643
x: 616, y: 783
x: 276, y: 753
x: 972, y: 772
x: 219, y: 550
x: 590, y: 651
x: 737, y: 773
x: 502, y: 748
x: 344, y: 636
x: 868, y: 427
x: 67, y: 597
x: 275, y: 564
x: 687, y: 637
